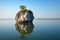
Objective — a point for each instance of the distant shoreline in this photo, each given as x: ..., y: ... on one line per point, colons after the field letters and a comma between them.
x: 48, y: 19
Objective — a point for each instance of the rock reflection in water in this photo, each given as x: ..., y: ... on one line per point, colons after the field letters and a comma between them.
x: 24, y: 29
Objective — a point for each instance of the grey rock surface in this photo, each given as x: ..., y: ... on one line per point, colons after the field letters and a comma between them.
x: 24, y: 16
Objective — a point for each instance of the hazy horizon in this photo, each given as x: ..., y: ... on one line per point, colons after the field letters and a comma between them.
x: 34, y: 18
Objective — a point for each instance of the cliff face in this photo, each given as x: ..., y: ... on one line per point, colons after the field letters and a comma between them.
x: 24, y: 16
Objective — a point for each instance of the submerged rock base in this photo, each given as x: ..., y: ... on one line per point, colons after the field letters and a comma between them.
x: 25, y: 22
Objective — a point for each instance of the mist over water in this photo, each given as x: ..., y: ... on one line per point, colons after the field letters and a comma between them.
x: 38, y: 30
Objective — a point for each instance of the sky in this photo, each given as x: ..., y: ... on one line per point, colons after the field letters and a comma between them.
x: 40, y: 8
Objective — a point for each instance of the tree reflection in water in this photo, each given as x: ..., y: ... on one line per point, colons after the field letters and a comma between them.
x: 24, y: 29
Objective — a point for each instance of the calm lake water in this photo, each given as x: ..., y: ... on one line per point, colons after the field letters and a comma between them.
x: 38, y: 30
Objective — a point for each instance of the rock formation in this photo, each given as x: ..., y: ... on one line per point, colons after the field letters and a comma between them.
x: 24, y: 15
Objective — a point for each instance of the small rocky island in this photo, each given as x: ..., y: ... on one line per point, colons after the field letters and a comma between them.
x: 24, y: 15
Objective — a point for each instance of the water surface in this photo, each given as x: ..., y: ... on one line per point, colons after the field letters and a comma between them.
x: 38, y: 30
